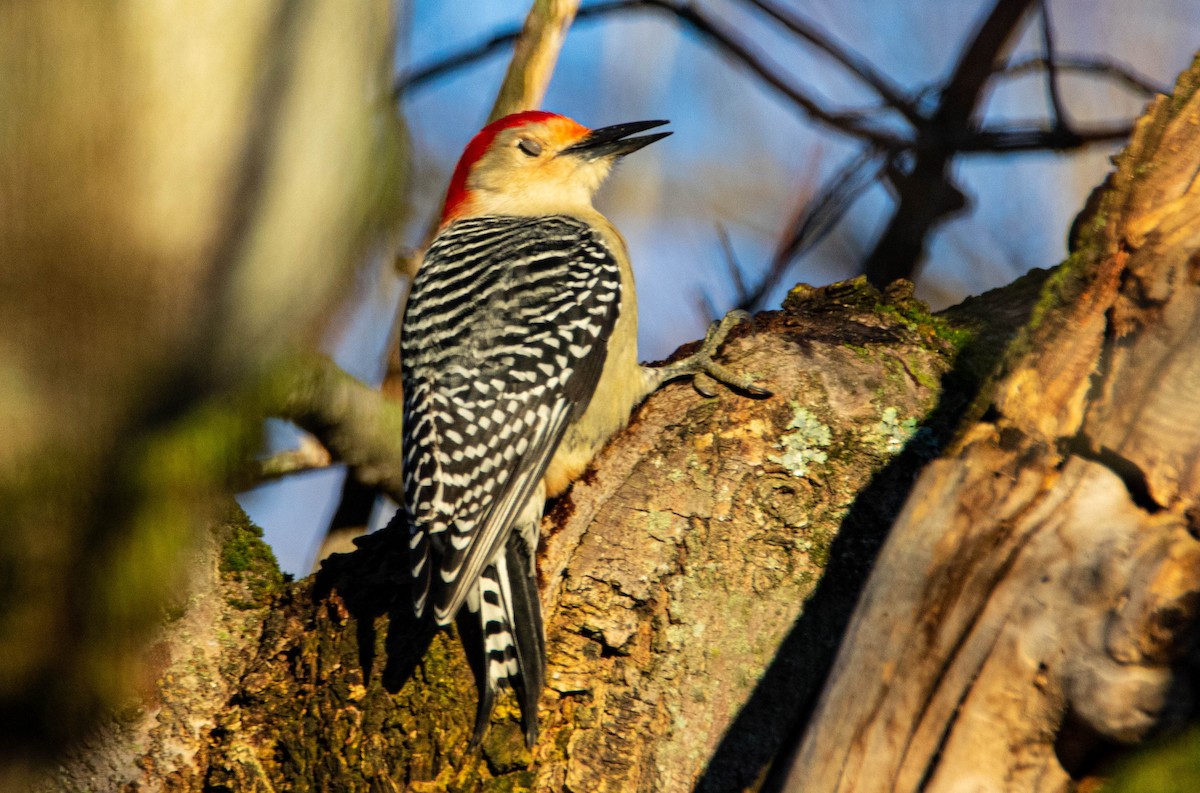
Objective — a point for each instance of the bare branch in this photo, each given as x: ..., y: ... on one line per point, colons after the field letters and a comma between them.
x: 926, y: 192
x: 853, y: 124
x: 534, y: 56
x: 892, y: 94
x: 734, y: 266
x: 964, y: 89
x: 310, y: 455
x: 1056, y: 106
x: 1101, y: 67
x: 819, y: 216
x: 1003, y: 141
x: 452, y: 63
x: 355, y: 422
x: 706, y: 306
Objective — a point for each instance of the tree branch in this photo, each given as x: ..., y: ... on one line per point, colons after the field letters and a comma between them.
x: 893, y: 96
x: 1102, y: 67
x: 309, y: 455
x: 708, y: 27
x: 917, y: 161
x: 822, y: 213
x: 355, y: 422
x: 1058, y: 113
x: 534, y: 56
x: 926, y: 194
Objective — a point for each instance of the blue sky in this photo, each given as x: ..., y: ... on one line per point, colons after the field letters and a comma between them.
x: 743, y: 160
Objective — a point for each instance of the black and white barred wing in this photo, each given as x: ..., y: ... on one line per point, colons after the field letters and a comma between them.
x: 502, y: 344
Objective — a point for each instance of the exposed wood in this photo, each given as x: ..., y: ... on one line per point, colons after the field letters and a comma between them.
x: 1034, y: 601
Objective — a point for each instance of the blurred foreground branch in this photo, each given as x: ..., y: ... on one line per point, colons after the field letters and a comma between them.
x: 184, y: 196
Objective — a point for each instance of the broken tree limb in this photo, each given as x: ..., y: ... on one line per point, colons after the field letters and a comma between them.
x: 1034, y: 601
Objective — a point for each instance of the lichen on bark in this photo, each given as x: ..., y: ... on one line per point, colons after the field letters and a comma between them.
x: 694, y: 587
x: 674, y: 577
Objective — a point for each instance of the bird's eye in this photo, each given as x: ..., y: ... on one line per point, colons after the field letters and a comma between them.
x: 530, y: 147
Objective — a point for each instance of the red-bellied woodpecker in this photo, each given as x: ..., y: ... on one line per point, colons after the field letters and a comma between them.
x: 519, y: 360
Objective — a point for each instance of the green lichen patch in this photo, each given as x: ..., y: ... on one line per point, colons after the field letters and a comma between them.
x: 804, y: 445
x: 504, y: 749
x: 891, y: 432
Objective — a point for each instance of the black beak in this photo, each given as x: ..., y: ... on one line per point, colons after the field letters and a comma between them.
x: 614, y: 141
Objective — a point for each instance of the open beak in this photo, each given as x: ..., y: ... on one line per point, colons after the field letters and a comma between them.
x: 614, y: 141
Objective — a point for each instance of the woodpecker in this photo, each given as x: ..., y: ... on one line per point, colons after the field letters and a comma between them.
x: 519, y: 361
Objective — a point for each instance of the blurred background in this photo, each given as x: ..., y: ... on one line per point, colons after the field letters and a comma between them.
x: 709, y: 212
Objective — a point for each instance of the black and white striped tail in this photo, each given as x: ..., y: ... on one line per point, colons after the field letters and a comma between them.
x: 510, y: 644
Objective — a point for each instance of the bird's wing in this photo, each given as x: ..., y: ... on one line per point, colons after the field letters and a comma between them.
x: 503, y: 342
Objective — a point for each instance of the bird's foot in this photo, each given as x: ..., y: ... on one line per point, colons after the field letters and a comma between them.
x: 704, y: 371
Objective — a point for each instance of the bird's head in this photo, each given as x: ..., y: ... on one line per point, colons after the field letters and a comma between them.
x: 538, y: 163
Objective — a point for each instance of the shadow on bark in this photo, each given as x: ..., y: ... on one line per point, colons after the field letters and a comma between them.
x: 773, y: 719
x: 371, y: 590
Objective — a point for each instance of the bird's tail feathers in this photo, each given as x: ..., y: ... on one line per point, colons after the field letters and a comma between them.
x: 510, y: 635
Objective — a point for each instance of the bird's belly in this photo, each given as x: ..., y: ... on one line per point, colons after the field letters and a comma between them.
x: 620, y: 388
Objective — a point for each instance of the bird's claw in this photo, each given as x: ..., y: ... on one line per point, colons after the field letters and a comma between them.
x: 706, y: 372
x: 705, y: 384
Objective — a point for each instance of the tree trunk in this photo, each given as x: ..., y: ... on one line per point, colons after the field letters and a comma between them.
x: 1035, y: 600
x: 1029, y: 602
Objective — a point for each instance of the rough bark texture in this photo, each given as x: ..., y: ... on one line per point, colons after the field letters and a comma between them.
x: 1035, y: 602
x: 158, y: 740
x: 675, y: 578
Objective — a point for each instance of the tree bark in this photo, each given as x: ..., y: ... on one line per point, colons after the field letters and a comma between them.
x: 1035, y: 602
x: 675, y: 577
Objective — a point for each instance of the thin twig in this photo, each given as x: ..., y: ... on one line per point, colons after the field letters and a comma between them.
x: 310, y: 455
x: 732, y: 264
x: 891, y: 94
x: 820, y: 216
x: 1004, y: 141
x: 1080, y: 64
x: 706, y: 307
x: 1059, y: 118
